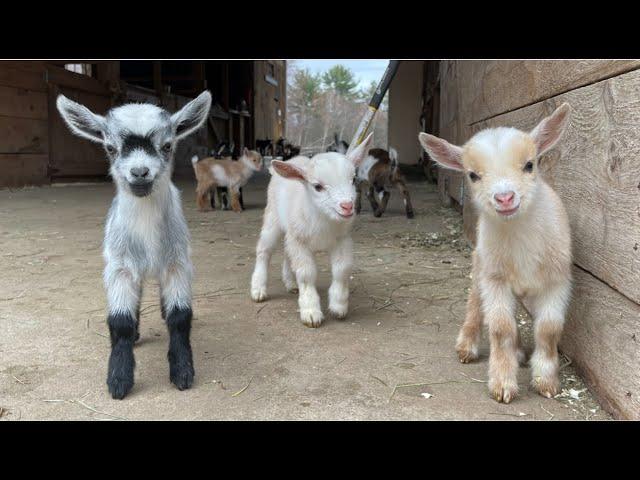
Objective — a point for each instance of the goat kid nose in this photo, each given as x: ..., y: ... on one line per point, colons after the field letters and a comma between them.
x: 140, y: 172
x: 504, y: 198
x: 346, y: 206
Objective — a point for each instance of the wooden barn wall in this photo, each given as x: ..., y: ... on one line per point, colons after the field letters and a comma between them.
x: 269, y: 105
x: 596, y: 171
x: 24, y: 136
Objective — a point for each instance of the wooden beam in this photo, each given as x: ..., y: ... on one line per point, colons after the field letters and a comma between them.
x: 490, y: 88
x: 66, y: 78
x: 29, y: 80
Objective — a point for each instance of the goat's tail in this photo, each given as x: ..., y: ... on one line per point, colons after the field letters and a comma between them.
x: 393, y: 156
x: 194, y: 160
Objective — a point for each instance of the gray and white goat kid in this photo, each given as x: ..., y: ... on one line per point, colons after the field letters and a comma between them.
x: 310, y: 202
x: 146, y: 233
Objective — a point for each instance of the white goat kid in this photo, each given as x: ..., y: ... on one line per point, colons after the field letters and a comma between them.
x: 146, y: 233
x: 523, y: 250
x: 311, y: 203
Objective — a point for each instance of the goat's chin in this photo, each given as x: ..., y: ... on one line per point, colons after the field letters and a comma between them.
x: 141, y: 189
x: 508, y: 213
x: 343, y: 218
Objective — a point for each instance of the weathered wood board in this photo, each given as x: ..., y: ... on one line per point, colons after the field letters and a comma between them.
x: 30, y: 80
x: 23, y: 135
x: 602, y: 338
x: 22, y: 103
x: 23, y: 169
x: 596, y: 170
x: 72, y: 156
x: 493, y: 87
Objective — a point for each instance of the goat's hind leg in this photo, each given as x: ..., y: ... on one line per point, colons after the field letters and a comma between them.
x: 288, y: 278
x: 175, y: 285
x: 402, y: 186
x: 123, y: 296
x: 469, y: 335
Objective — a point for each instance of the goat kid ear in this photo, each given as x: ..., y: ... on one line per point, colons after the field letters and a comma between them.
x: 245, y: 151
x: 288, y: 170
x: 550, y: 129
x: 191, y: 117
x: 358, y: 154
x: 441, y: 151
x: 80, y: 120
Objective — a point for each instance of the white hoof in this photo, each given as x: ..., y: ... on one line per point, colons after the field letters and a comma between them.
x: 259, y: 294
x: 311, y: 317
x: 339, y: 310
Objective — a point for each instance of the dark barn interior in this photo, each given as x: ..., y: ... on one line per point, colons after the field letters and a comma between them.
x: 36, y: 147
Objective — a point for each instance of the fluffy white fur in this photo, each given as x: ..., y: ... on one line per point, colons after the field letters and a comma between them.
x: 523, y: 249
x: 311, y: 204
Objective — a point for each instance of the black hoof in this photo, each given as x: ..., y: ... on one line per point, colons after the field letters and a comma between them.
x: 410, y: 215
x: 181, y: 376
x: 119, y: 387
x: 377, y: 214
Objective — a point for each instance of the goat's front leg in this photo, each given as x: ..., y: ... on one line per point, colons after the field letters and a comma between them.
x: 123, y: 297
x: 341, y: 265
x: 371, y: 196
x: 202, y: 199
x: 175, y: 285
x: 304, y: 266
x: 358, y: 203
x: 498, y: 307
x: 270, y: 235
x: 549, y: 311
x: 382, y: 204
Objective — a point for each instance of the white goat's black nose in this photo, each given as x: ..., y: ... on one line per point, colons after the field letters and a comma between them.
x: 140, y: 172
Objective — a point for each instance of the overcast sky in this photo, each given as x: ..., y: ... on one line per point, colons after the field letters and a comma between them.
x: 365, y: 71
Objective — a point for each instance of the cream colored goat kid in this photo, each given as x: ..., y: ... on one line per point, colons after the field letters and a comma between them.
x: 311, y: 203
x: 523, y: 250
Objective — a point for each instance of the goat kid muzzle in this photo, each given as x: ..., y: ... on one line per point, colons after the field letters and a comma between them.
x: 507, y: 203
x: 346, y: 209
x: 140, y: 182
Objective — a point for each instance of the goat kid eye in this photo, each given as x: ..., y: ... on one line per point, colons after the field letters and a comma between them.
x: 318, y: 187
x: 166, y: 147
x: 528, y: 167
x: 110, y: 149
x: 474, y: 176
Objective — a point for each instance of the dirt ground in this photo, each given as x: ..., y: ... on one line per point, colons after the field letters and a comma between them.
x: 391, y: 358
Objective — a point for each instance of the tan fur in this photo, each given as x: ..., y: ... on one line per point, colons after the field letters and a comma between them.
x: 525, y: 255
x: 212, y: 173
